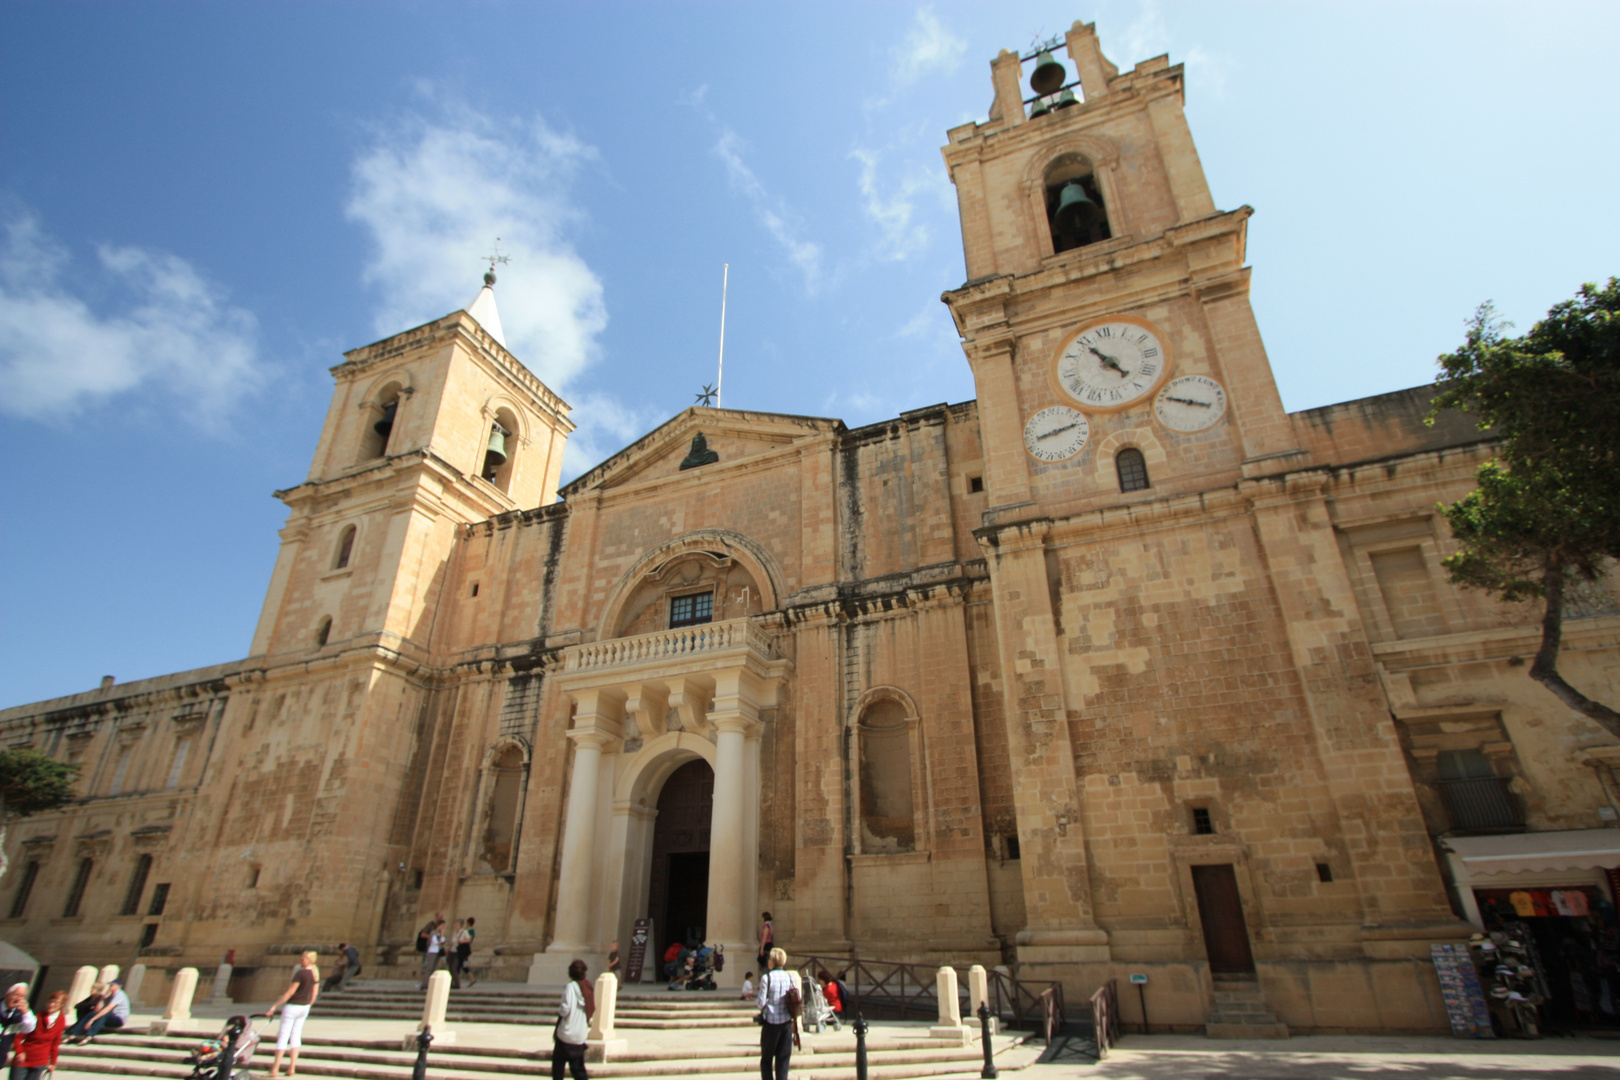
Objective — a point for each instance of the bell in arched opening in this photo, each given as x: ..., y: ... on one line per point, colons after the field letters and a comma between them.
x: 1077, y: 219
x: 385, y: 426
x: 1065, y: 99
x: 1049, y: 73
x: 495, y: 453
x: 1040, y: 108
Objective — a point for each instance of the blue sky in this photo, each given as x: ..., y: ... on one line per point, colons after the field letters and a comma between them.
x: 204, y: 205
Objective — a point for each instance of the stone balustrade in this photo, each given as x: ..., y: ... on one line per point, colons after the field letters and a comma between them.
x: 665, y: 645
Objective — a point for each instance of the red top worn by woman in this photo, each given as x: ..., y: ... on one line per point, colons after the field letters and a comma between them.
x: 40, y: 1047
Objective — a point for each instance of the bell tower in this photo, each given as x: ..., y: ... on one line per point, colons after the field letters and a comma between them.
x: 429, y: 429
x: 1106, y: 313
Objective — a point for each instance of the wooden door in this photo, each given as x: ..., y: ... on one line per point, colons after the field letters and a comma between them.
x: 679, y: 892
x: 1220, y: 909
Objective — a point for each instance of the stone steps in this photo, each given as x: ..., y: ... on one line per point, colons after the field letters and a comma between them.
x: 163, y: 1056
x: 1240, y: 1012
x: 679, y: 1011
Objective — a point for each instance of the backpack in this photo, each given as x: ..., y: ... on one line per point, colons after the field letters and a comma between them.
x: 422, y: 940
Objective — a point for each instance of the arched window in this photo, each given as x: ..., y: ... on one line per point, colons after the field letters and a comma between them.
x: 1132, y: 468
x: 1074, y: 204
x: 888, y: 824
x: 345, y: 548
x: 500, y: 449
x: 323, y: 631
x: 380, y: 421
x: 505, y: 792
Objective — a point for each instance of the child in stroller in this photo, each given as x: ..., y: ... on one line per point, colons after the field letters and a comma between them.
x: 204, y: 1058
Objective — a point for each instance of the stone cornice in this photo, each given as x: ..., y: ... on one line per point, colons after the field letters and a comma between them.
x: 1495, y: 645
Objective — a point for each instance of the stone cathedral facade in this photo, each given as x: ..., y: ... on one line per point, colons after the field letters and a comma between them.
x: 1118, y: 668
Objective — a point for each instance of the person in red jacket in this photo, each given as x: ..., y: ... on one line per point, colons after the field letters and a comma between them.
x: 36, y: 1051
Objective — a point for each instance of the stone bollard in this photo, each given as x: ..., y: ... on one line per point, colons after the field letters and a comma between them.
x: 950, y: 1010
x: 107, y: 974
x: 178, y: 1011
x: 220, y: 994
x: 979, y: 994
x: 132, y: 983
x: 600, y: 1045
x: 433, y: 1010
x: 79, y: 989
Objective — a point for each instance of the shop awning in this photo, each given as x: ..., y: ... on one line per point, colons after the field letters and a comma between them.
x: 1578, y: 849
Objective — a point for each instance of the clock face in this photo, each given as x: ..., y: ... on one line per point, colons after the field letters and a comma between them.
x: 1112, y: 363
x: 1056, y: 434
x: 1190, y: 403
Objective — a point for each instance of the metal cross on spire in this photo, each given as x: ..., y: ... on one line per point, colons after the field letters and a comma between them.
x: 709, y: 395
x: 492, y: 259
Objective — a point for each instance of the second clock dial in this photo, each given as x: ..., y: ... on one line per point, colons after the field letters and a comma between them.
x: 1112, y: 363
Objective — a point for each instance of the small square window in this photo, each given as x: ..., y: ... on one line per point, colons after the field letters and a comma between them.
x: 691, y: 610
x: 975, y: 484
x: 1203, y: 825
x: 475, y: 588
x: 1012, y: 845
x: 1324, y: 872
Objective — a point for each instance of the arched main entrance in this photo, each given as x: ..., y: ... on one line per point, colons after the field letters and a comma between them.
x: 678, y: 892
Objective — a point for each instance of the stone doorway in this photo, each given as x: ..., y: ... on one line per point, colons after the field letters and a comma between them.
x: 678, y: 894
x: 1220, y: 909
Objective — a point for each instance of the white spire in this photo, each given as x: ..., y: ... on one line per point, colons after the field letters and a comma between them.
x: 483, y: 309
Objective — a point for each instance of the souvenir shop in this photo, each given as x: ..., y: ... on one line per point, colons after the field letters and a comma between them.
x: 1548, y: 952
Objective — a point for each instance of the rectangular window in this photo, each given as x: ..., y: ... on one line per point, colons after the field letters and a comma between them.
x: 182, y: 747
x: 691, y: 610
x: 81, y: 878
x: 1203, y: 825
x: 1475, y: 796
x: 148, y: 934
x: 19, y: 903
x: 137, y: 886
x: 160, y: 898
x: 1408, y: 591
x: 119, y: 771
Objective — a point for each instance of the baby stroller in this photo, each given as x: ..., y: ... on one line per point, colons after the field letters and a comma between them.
x: 818, y: 1015
x: 704, y: 965
x: 204, y: 1057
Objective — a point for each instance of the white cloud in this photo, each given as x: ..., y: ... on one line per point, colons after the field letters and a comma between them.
x: 606, y: 426
x: 894, y: 209
x: 928, y: 46
x: 1148, y: 35
x: 435, y: 194
x: 174, y: 332
x: 778, y: 220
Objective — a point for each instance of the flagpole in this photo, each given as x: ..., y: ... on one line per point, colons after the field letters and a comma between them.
x: 720, y: 380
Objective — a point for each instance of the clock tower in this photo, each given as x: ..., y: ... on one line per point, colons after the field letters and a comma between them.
x: 1171, y: 609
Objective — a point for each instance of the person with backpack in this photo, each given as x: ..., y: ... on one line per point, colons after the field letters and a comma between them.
x: 779, y: 1006
x: 574, y: 1015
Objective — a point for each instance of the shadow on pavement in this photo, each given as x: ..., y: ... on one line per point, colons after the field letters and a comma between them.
x: 1069, y: 1049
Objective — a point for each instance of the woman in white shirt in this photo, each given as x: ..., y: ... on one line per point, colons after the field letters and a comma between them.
x: 573, y: 1023
x: 778, y: 1032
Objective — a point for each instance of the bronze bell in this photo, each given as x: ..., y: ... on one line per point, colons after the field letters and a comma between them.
x: 1075, y: 209
x: 1049, y: 73
x: 386, y: 425
x: 495, y: 454
x: 1065, y: 99
x: 1040, y: 108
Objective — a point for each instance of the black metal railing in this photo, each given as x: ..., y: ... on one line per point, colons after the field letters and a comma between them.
x: 1105, y: 1017
x: 896, y: 990
x: 1480, y: 803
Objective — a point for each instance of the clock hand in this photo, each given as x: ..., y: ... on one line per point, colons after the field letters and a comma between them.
x: 1187, y: 401
x: 1108, y: 361
x: 1057, y: 431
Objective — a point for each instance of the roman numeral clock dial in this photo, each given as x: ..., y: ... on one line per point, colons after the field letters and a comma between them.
x: 1112, y: 363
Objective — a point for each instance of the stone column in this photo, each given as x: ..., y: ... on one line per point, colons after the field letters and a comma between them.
x: 576, y: 872
x: 600, y: 1045
x: 979, y: 994
x: 950, y: 1009
x: 728, y: 921
x: 178, y: 1010
x: 433, y: 1010
x: 133, y: 981
x: 220, y: 993
x: 79, y: 988
x: 107, y: 974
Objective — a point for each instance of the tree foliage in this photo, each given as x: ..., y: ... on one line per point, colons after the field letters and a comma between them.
x: 1546, y: 513
x: 29, y: 783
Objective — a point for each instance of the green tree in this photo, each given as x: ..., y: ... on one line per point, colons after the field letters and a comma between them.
x: 1546, y: 514
x: 29, y: 783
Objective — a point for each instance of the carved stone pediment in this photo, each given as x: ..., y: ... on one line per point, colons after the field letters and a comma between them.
x: 151, y: 837
x: 96, y: 845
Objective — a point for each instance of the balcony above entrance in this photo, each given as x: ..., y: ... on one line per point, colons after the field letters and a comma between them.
x: 673, y: 680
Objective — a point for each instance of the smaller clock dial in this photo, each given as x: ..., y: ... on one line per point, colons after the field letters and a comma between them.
x: 1112, y: 363
x: 1190, y: 403
x: 1056, y: 434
